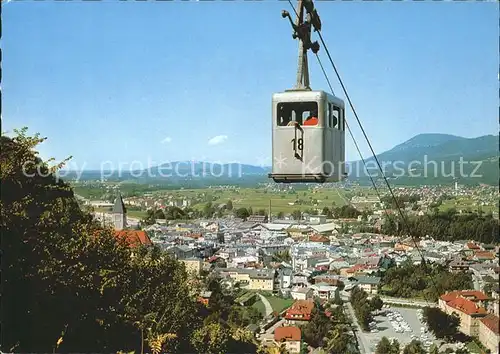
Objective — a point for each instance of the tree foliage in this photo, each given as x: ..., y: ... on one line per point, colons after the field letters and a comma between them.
x: 443, y: 326
x: 331, y: 333
x: 414, y: 347
x: 70, y: 285
x: 316, y: 329
x: 448, y: 226
x: 242, y: 213
x: 211, y: 339
x: 385, y: 346
x: 362, y: 307
x: 427, y: 280
x: 376, y: 303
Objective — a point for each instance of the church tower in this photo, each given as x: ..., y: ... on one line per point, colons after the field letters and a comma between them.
x: 119, y: 213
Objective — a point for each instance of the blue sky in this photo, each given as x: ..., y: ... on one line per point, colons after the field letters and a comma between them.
x: 124, y: 81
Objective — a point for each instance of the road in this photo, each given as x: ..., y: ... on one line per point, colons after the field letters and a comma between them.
x: 364, y: 345
x: 477, y: 281
x: 267, y: 304
x: 392, y: 300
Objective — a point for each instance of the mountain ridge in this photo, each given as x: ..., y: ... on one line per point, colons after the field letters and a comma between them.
x: 445, y: 150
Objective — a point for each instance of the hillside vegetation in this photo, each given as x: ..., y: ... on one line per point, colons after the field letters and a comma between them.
x: 69, y: 285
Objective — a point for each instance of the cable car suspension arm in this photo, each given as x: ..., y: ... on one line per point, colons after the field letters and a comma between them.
x: 302, y: 31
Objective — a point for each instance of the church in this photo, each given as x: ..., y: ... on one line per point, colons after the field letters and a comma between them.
x: 133, y: 237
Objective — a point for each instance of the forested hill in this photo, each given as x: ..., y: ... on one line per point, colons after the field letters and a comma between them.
x: 69, y: 285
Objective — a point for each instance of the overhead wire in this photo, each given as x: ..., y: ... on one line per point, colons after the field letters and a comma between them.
x: 350, y: 133
x: 402, y: 215
x: 347, y: 124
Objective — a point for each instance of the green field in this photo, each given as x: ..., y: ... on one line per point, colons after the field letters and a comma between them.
x: 474, y: 348
x: 278, y: 304
x: 466, y: 204
x: 259, y: 306
x: 260, y: 199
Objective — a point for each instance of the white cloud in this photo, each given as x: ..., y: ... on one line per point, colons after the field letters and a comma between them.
x: 166, y: 140
x: 216, y: 140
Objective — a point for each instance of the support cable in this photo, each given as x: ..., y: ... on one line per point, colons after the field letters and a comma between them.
x: 403, y: 216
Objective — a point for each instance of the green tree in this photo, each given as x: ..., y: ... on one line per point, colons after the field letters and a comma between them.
x: 297, y: 215
x: 208, y: 210
x: 261, y: 212
x: 212, y: 338
x: 414, y: 347
x: 339, y: 340
x: 149, y: 219
x: 242, y: 213
x: 443, y: 326
x: 66, y: 276
x: 362, y: 309
x: 434, y: 349
x: 229, y: 205
x: 386, y: 347
x: 376, y: 303
x: 158, y: 214
x: 315, y: 330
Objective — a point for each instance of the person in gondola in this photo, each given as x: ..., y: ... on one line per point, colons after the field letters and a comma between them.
x: 312, y: 119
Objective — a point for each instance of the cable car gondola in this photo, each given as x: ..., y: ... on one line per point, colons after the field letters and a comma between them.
x: 308, y: 127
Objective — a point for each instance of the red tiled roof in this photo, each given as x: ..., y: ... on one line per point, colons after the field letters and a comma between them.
x: 484, y: 254
x: 472, y: 246
x: 492, y: 322
x: 466, y: 306
x: 287, y: 334
x: 474, y: 294
x: 213, y: 258
x: 300, y: 307
x: 318, y: 238
x: 133, y: 237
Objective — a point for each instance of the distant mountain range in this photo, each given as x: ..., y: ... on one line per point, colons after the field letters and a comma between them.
x: 424, y: 159
x: 441, y: 158
x: 204, y: 169
x: 442, y: 147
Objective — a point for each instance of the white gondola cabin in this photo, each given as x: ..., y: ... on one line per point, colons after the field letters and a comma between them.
x: 308, y: 136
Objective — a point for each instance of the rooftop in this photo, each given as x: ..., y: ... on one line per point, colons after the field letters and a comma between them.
x: 304, y: 307
x: 133, y: 237
x: 492, y: 322
x: 472, y: 295
x: 466, y: 306
x: 287, y: 334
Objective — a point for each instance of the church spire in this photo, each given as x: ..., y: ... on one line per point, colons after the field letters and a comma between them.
x: 119, y: 213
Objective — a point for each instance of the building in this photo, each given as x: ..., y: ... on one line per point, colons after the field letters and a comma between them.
x: 317, y: 219
x: 291, y: 336
x: 457, y: 265
x: 325, y: 291
x: 285, y: 277
x: 368, y: 284
x: 468, y: 305
x: 488, y: 332
x: 262, y: 279
x: 258, y: 218
x: 133, y: 238
x: 119, y: 214
x: 252, y: 279
x: 193, y: 265
x: 299, y: 312
x: 330, y: 279
x: 495, y: 304
x: 181, y: 252
x: 301, y: 293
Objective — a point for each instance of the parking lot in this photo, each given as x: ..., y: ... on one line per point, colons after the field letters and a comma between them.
x: 398, y: 323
